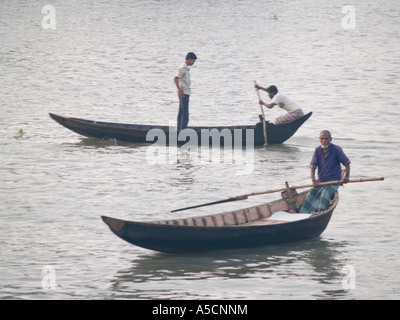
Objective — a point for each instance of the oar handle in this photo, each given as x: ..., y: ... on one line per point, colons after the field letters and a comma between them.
x: 368, y: 179
x: 350, y: 181
x: 258, y: 93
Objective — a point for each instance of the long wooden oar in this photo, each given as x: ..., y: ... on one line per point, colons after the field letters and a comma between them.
x: 263, y: 116
x: 245, y: 196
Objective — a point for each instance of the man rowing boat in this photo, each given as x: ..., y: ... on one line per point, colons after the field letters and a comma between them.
x: 292, y: 108
x: 328, y: 158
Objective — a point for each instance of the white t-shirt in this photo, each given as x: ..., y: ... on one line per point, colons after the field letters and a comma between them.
x: 283, y: 101
x: 184, y: 77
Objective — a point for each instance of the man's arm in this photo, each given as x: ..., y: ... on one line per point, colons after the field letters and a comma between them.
x: 313, y: 179
x: 268, y: 105
x: 260, y: 88
x: 178, y: 86
x: 347, y: 174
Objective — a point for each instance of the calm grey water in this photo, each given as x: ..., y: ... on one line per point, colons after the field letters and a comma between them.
x: 114, y: 61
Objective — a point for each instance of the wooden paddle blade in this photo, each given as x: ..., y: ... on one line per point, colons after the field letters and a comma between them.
x: 263, y: 115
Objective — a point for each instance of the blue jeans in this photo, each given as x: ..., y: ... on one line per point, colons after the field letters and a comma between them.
x: 183, y: 114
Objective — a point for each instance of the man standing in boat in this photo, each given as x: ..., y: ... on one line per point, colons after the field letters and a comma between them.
x: 283, y: 101
x: 182, y: 82
x: 328, y: 158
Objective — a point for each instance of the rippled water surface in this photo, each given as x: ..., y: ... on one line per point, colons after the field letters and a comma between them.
x: 114, y: 61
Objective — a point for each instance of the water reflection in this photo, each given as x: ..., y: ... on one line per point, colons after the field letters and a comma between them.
x: 291, y: 264
x: 182, y: 152
x: 103, y: 143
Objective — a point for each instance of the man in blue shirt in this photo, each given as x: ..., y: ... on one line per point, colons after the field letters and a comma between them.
x: 328, y: 158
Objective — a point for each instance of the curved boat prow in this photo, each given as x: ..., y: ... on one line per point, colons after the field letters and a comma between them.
x: 114, y: 224
x: 57, y: 118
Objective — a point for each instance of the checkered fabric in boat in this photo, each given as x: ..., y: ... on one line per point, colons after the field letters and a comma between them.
x: 318, y: 199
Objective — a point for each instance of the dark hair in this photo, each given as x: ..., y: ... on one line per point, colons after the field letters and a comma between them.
x: 191, y: 55
x: 272, y: 89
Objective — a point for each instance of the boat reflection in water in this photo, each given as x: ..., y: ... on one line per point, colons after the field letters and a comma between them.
x: 246, y: 272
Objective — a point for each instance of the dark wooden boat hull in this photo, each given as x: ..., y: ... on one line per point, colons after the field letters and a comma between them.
x: 135, y: 133
x: 194, y: 239
x: 169, y: 237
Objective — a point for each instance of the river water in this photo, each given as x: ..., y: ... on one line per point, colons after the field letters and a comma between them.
x: 114, y: 61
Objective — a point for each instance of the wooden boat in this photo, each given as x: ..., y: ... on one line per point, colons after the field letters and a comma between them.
x: 261, y: 225
x: 139, y: 133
